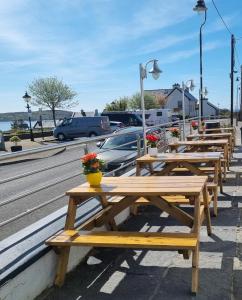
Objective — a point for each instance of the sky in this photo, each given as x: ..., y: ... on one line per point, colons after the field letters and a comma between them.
x: 95, y: 46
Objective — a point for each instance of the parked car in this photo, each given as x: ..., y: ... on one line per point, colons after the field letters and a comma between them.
x: 82, y: 127
x: 127, y: 118
x: 124, y: 154
x: 115, y: 125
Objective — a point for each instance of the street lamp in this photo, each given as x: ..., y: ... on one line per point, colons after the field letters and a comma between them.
x: 155, y: 71
x: 190, y: 86
x: 41, y: 123
x: 27, y: 99
x: 201, y: 8
x: 237, y: 100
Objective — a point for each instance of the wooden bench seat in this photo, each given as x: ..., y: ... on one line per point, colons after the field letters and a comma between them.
x: 177, y: 200
x: 152, y: 240
x: 204, y: 169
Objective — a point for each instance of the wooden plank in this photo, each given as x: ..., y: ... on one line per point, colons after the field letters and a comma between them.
x: 193, y: 156
x: 172, y: 210
x: 138, y: 240
x: 142, y: 186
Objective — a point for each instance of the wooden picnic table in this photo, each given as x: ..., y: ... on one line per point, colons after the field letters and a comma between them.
x: 155, y: 190
x: 211, y: 136
x: 221, y: 130
x: 187, y: 162
x: 203, y: 146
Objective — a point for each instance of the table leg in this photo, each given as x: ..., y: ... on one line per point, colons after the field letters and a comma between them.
x: 226, y: 155
x: 195, y: 253
x: 220, y: 176
x: 138, y: 168
x: 112, y: 224
x: 65, y: 251
x: 207, y: 211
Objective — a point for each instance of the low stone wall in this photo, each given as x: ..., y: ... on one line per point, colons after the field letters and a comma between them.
x: 26, y: 136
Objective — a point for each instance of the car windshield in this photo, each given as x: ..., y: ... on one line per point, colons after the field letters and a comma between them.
x: 116, y: 141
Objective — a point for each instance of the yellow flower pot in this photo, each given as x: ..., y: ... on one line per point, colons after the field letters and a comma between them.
x: 94, y: 179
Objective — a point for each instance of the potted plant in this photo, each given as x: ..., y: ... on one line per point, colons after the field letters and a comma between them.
x: 194, y: 125
x: 92, y: 168
x: 15, y: 140
x: 175, y: 134
x: 152, y: 144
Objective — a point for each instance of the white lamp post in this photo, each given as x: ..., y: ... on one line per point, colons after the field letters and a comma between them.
x: 155, y: 71
x: 190, y: 86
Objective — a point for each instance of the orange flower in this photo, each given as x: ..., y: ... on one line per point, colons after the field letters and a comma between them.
x: 89, y: 156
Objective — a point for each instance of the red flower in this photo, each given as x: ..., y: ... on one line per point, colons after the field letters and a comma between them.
x: 89, y: 156
x: 151, y: 138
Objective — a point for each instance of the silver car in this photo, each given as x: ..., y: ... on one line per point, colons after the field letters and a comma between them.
x: 126, y: 149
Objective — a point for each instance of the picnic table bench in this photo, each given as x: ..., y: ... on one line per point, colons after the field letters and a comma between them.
x: 131, y: 189
x: 211, y: 136
x: 220, y: 145
x: 196, y: 163
x: 221, y: 130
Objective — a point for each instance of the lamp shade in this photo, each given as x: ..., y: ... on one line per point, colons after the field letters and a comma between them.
x: 200, y: 7
x: 155, y: 70
x: 26, y: 97
x: 192, y: 85
x: 205, y: 91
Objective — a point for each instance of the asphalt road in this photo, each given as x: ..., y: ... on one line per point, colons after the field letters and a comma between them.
x: 20, y: 192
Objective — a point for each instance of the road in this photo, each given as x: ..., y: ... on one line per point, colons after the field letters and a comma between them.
x: 20, y: 191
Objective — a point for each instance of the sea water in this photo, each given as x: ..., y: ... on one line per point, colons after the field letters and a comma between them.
x: 4, y: 126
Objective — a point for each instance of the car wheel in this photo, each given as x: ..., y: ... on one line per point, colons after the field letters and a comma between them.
x: 92, y: 134
x: 61, y: 137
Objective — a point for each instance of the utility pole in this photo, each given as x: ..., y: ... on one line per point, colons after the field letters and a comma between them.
x: 232, y: 80
x: 240, y: 107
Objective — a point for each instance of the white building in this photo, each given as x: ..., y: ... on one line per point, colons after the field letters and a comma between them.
x: 173, y: 101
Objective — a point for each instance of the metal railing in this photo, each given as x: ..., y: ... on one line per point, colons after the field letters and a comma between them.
x: 83, y: 144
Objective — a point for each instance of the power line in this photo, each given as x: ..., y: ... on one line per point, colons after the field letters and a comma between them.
x: 221, y: 17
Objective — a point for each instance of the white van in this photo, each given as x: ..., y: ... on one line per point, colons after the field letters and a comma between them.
x: 156, y: 116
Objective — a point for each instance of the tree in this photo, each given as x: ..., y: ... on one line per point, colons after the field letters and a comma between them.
x: 161, y: 100
x: 150, y: 102
x: 52, y: 93
x: 118, y: 105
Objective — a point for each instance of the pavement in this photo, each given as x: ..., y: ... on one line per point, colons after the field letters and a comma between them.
x: 28, y: 144
x: 110, y: 273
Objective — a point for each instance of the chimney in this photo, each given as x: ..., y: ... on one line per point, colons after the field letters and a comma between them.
x: 176, y: 85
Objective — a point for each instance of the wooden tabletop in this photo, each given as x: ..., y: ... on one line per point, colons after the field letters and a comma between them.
x: 190, y: 156
x: 200, y: 143
x: 220, y: 128
x: 223, y: 134
x: 143, y: 186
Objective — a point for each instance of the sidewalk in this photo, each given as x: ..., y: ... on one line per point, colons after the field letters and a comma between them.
x: 28, y: 144
x: 152, y: 275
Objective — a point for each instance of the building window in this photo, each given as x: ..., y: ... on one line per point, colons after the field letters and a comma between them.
x: 179, y: 103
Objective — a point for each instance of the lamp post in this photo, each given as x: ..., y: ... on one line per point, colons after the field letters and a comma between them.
x: 41, y: 123
x: 201, y: 8
x: 190, y: 86
x: 237, y: 101
x: 155, y: 71
x: 27, y: 99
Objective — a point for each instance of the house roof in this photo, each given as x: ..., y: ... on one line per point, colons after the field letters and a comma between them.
x: 168, y: 92
x: 212, y: 105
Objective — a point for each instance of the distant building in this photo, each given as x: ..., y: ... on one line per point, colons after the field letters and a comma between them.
x: 173, y: 100
x: 45, y: 124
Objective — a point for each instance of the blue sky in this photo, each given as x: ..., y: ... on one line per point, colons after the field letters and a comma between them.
x: 96, y: 46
